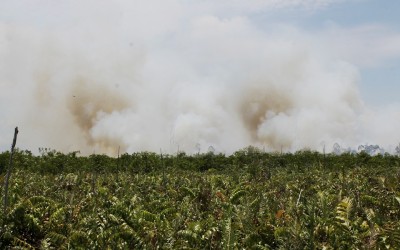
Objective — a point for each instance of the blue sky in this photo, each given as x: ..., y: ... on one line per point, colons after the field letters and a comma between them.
x: 154, y: 74
x: 379, y: 84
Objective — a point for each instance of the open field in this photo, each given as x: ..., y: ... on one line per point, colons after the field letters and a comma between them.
x: 249, y: 200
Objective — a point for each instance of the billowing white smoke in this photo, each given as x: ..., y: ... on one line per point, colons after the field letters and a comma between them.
x: 161, y: 75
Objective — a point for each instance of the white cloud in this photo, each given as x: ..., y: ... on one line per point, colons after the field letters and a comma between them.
x: 364, y: 46
x: 261, y: 5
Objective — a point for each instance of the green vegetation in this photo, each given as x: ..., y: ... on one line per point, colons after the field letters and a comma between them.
x: 249, y: 200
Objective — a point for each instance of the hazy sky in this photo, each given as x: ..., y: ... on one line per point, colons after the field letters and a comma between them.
x: 151, y: 74
x: 370, y: 26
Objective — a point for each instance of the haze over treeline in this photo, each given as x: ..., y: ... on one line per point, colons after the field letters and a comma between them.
x: 149, y: 75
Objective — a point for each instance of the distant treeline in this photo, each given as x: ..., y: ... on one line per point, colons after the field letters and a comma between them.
x: 51, y: 161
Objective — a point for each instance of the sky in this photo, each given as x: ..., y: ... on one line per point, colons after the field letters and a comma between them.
x: 171, y: 75
x: 379, y: 83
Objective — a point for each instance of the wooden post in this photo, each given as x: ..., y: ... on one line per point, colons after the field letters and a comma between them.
x: 9, y: 171
x: 163, y: 169
x: 118, y: 164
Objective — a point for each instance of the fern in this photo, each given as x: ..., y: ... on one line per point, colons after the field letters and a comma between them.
x: 167, y: 212
x: 228, y: 236
x: 390, y: 237
x: 32, y: 223
x: 252, y: 240
x: 21, y: 243
x: 210, y: 233
x: 189, y: 192
x: 217, y: 209
x: 189, y: 236
x: 127, y: 235
x: 236, y: 196
x: 78, y: 239
x: 57, y: 219
x: 370, y: 215
x: 343, y: 210
x: 260, y: 247
x: 147, y: 216
x: 255, y: 204
x: 56, y: 239
x: 128, y: 218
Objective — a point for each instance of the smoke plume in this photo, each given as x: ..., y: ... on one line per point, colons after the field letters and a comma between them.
x: 151, y: 75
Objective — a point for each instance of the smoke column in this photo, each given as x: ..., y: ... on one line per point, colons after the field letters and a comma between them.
x: 151, y: 75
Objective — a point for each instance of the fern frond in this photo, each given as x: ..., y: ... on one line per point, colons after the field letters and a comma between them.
x: 343, y: 210
x: 252, y: 240
x: 236, y: 196
x: 228, y: 239
x: 33, y: 223
x: 56, y: 239
x: 17, y: 242
x: 58, y: 216
x: 189, y: 192
x: 40, y: 199
x: 147, y: 216
x: 79, y: 239
x: 370, y: 215
x: 391, y: 235
x: 129, y: 236
x: 255, y: 204
x: 260, y: 247
x: 167, y: 211
x: 343, y: 222
x: 188, y: 235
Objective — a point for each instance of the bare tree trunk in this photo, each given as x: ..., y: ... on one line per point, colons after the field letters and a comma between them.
x: 9, y: 171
